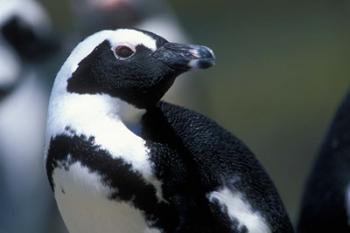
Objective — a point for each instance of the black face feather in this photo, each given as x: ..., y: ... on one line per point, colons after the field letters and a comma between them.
x: 140, y: 80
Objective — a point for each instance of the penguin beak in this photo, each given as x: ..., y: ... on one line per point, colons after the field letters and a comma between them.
x: 183, y: 57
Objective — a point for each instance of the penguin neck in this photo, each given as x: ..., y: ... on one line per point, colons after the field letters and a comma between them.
x: 85, y: 112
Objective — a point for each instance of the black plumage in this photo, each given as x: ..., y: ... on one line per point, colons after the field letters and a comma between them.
x: 211, y: 158
x: 193, y: 156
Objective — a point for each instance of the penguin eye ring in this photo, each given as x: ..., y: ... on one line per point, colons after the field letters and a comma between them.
x: 123, y: 51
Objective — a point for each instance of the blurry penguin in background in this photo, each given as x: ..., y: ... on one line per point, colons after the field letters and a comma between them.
x: 326, y: 201
x: 150, y: 15
x: 26, y: 41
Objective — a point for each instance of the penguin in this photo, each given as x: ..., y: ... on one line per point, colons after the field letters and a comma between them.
x: 26, y: 41
x: 178, y: 171
x: 325, y: 204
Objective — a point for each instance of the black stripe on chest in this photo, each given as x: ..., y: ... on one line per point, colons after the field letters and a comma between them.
x: 115, y: 173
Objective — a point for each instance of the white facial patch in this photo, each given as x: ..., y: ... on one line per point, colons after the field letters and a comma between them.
x: 83, y: 202
x: 133, y: 38
x: 239, y: 209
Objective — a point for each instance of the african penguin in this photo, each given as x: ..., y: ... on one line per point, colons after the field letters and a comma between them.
x: 326, y: 201
x: 26, y: 41
x: 177, y: 172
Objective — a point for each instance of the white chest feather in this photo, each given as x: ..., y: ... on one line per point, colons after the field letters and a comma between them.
x: 98, y: 116
x: 83, y: 203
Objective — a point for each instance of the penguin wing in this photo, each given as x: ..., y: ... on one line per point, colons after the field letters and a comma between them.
x: 233, y: 183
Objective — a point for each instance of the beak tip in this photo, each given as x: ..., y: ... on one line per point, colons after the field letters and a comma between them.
x: 211, y: 52
x: 204, y: 58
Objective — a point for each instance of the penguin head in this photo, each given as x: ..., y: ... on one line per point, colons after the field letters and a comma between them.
x: 133, y: 65
x: 25, y: 27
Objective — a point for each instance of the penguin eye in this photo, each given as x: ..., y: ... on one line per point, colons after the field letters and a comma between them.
x: 124, y: 51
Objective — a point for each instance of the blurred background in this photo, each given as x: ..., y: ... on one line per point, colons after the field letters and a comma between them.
x: 282, y: 69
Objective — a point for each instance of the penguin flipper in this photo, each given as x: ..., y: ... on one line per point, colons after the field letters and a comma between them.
x: 227, y: 173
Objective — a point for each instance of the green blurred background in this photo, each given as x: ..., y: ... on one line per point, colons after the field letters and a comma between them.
x: 282, y: 68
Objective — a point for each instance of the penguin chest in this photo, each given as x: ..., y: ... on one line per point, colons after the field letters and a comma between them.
x: 98, y: 189
x: 87, y: 205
